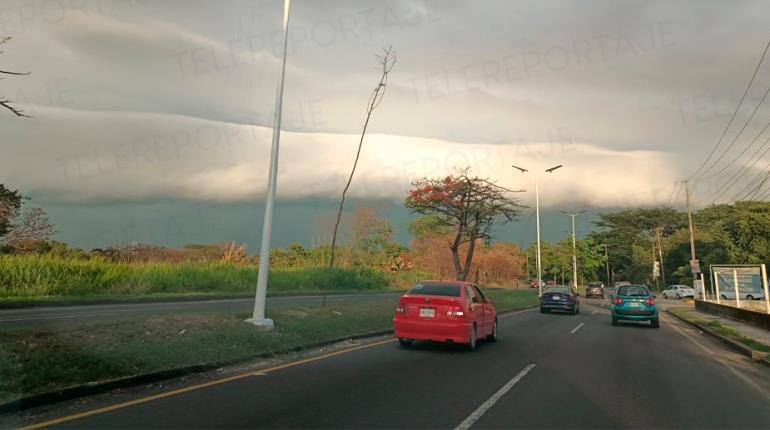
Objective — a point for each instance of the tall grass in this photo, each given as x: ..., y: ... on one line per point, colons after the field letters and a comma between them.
x: 47, y: 275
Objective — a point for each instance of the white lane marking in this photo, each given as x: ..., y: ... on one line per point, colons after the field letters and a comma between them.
x: 577, y: 328
x: 594, y: 313
x: 481, y: 410
x: 516, y: 313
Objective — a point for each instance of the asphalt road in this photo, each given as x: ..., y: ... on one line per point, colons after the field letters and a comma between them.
x: 37, y: 316
x: 546, y: 371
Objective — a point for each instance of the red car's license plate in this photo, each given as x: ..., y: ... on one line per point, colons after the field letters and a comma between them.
x: 427, y: 312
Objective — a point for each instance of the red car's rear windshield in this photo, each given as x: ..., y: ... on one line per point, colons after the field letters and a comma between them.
x: 428, y: 289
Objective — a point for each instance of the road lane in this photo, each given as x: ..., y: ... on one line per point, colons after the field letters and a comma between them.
x: 599, y: 377
x: 43, y: 315
x: 631, y: 376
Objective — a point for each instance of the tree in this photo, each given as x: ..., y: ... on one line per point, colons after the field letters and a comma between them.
x: 630, y: 234
x: 467, y: 206
x: 6, y: 103
x: 371, y: 233
x: 427, y: 226
x: 386, y: 63
x: 10, y: 204
x: 32, y: 228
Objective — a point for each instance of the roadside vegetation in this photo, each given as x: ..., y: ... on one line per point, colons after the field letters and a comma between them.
x: 722, y: 330
x: 33, y: 275
x: 64, y: 355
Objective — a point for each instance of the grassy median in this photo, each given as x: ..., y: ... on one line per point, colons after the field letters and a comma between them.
x: 43, y: 359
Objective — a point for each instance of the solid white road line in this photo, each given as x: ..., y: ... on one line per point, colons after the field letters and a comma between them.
x: 516, y: 313
x: 577, y: 328
x: 481, y: 410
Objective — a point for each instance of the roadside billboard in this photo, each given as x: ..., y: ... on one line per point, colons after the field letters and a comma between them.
x: 740, y: 282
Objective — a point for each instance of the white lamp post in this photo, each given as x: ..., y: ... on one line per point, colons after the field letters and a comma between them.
x: 258, y: 318
x: 537, y: 222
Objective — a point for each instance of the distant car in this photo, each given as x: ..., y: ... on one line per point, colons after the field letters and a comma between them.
x: 595, y: 289
x: 616, y: 285
x: 746, y: 294
x: 559, y: 298
x: 445, y: 311
x: 678, y: 291
x: 533, y: 283
x: 634, y: 303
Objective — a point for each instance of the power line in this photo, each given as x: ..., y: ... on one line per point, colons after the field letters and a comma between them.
x: 758, y: 188
x: 745, y: 124
x: 673, y: 189
x: 743, y: 171
x: 740, y: 103
x: 749, y: 188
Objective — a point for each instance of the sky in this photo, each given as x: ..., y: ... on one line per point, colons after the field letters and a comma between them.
x: 152, y: 120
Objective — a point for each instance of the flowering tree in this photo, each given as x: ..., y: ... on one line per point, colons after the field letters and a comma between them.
x: 467, y: 207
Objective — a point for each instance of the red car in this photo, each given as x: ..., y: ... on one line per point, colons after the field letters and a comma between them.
x: 445, y: 311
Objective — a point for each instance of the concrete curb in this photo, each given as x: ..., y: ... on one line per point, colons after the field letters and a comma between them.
x: 91, y: 389
x: 759, y: 356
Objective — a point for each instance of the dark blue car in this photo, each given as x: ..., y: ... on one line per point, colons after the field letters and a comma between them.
x: 634, y: 303
x: 559, y: 298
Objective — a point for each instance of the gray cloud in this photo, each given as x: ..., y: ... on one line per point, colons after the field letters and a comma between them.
x: 140, y: 99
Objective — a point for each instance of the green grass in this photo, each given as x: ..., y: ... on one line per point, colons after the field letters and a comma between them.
x: 35, y: 276
x: 722, y: 330
x: 505, y: 300
x: 55, y: 357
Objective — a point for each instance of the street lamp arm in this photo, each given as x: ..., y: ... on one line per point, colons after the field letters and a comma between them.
x: 554, y: 168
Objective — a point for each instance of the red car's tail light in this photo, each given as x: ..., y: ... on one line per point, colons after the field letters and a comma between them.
x: 400, y: 309
x: 617, y: 301
x: 649, y: 301
x: 455, y: 312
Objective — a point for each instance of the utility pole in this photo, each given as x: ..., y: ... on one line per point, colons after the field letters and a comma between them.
x: 655, y: 267
x: 658, y: 235
x: 693, y: 260
x: 574, y: 248
x: 607, y: 262
x: 258, y: 318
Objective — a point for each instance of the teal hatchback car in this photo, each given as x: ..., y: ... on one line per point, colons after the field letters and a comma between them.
x: 634, y: 303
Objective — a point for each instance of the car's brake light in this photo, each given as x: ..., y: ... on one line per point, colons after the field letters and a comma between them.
x: 649, y: 301
x: 617, y: 301
x: 400, y: 309
x: 455, y: 312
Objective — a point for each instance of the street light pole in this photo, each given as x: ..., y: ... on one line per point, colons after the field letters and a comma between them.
x: 537, y: 223
x: 258, y: 318
x: 574, y: 247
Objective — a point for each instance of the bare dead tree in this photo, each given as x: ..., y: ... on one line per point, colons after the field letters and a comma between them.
x: 6, y: 103
x: 386, y: 61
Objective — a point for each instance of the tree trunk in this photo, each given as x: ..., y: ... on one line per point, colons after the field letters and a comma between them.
x: 468, y: 259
